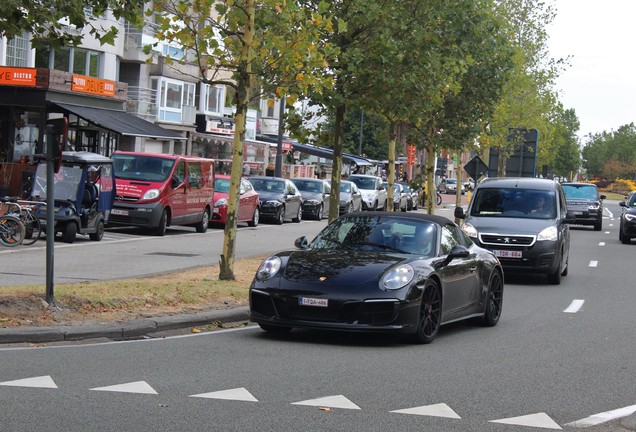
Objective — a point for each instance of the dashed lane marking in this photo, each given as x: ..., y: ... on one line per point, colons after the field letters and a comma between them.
x: 574, y: 306
x: 436, y: 410
x: 540, y: 420
x: 593, y: 263
x: 601, y: 244
x: 239, y: 394
x: 337, y: 401
x: 132, y: 387
x: 39, y: 382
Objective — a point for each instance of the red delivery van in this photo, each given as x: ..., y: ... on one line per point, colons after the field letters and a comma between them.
x: 155, y: 191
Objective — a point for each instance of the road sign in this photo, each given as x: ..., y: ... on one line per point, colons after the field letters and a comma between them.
x: 476, y: 168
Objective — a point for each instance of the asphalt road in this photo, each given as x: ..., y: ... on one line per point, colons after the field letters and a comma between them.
x: 560, y: 355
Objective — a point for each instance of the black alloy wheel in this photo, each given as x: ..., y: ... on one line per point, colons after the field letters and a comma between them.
x: 494, y: 302
x: 430, y: 314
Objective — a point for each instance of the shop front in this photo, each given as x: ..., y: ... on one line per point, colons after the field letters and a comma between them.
x: 31, y: 98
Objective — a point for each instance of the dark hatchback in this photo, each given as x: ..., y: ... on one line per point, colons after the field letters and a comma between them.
x: 315, y: 194
x: 503, y: 217
x: 627, y: 229
x: 586, y: 204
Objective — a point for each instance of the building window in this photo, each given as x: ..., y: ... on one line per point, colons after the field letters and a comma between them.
x: 18, y: 51
x: 75, y: 60
x: 173, y: 96
x: 214, y: 98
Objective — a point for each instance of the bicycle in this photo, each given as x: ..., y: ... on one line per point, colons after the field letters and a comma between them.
x: 438, y: 198
x: 24, y: 212
x: 11, y: 231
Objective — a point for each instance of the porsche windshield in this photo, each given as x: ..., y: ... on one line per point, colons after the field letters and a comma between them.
x: 379, y: 233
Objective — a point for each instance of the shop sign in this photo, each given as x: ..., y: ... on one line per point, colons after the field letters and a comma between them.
x: 18, y: 76
x: 96, y: 86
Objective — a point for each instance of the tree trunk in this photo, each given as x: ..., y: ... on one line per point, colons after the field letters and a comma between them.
x: 336, y: 168
x: 226, y: 264
x: 390, y: 176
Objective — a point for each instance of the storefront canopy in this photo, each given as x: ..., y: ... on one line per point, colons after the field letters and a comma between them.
x: 120, y: 121
x: 328, y: 154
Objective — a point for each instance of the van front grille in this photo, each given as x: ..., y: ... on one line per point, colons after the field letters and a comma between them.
x: 507, y: 239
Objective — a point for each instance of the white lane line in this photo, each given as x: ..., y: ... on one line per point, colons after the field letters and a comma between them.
x: 607, y: 232
x: 133, y: 387
x: 238, y: 394
x: 574, y: 306
x: 593, y: 263
x: 337, y: 401
x: 601, y: 244
x: 603, y: 417
x: 611, y: 215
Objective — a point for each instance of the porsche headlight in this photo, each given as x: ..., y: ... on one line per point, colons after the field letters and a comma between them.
x: 550, y: 234
x: 151, y: 194
x: 469, y: 230
x: 397, y: 277
x: 221, y: 203
x: 268, y: 268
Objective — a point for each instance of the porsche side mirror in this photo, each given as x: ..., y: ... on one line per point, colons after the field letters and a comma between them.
x: 301, y: 242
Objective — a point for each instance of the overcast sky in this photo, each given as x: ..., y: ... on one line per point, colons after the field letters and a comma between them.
x: 600, y: 84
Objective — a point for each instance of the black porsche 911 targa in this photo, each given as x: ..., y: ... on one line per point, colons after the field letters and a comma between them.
x: 379, y: 272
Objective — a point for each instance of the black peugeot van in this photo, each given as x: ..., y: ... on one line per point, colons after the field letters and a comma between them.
x: 524, y: 221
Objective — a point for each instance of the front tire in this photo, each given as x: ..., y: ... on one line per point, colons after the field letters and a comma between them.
x: 99, y: 232
x: 160, y: 231
x: 280, y: 216
x: 430, y: 316
x: 299, y: 215
x: 255, y: 217
x: 202, y: 226
x: 555, y: 277
x: 318, y: 215
x: 598, y: 225
x: 69, y: 232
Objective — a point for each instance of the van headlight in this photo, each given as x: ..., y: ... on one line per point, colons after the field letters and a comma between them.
x: 549, y: 234
x: 151, y: 194
x: 469, y: 230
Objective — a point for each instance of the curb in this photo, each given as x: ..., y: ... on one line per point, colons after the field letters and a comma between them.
x: 123, y: 330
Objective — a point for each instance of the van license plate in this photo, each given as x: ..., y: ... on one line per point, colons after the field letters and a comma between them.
x: 507, y: 254
x: 308, y: 301
x: 119, y: 212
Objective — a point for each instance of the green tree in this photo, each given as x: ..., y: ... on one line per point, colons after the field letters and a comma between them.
x: 272, y: 45
x: 528, y: 97
x: 60, y: 22
x: 565, y: 155
x: 611, y: 155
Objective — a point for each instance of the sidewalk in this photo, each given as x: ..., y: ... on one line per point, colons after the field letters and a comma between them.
x: 124, y: 330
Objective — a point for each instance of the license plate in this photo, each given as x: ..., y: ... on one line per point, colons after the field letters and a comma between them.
x: 577, y: 213
x: 308, y: 301
x: 507, y: 254
x: 119, y: 212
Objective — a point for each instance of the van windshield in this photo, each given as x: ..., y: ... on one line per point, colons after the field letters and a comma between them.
x: 140, y: 167
x: 514, y: 202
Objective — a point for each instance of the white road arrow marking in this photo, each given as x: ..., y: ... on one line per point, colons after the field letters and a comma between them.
x: 132, y: 387
x: 337, y: 401
x: 39, y: 382
x: 574, y: 306
x: 540, y: 420
x: 437, y: 410
x: 240, y: 394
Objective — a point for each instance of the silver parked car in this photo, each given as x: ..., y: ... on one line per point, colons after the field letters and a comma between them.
x: 374, y: 193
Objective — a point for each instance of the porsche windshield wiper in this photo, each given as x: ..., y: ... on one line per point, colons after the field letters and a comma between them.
x: 383, y: 246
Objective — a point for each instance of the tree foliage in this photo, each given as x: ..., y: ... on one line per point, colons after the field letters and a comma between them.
x: 272, y: 45
x: 611, y: 155
x: 61, y: 22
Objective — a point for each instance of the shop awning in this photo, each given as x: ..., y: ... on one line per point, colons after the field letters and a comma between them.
x: 121, y: 122
x: 328, y: 154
